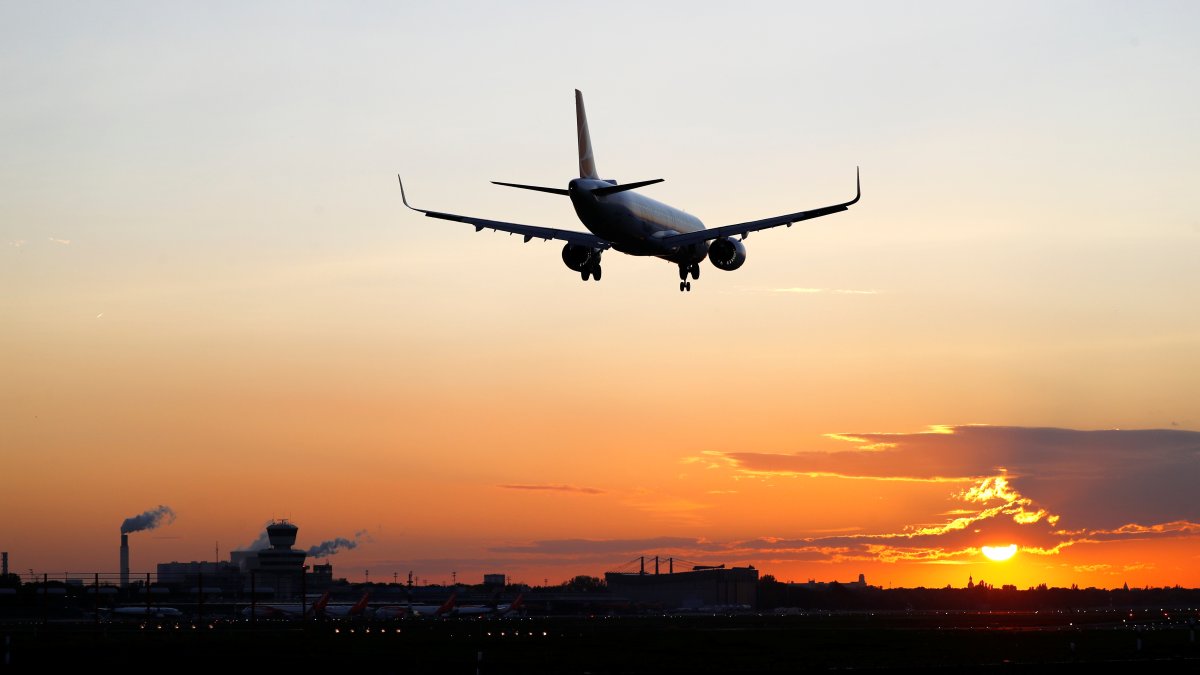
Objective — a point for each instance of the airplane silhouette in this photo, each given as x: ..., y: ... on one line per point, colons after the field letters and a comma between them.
x: 620, y: 219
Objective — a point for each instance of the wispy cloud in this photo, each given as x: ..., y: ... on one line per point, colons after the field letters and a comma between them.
x: 64, y: 242
x: 16, y: 243
x: 668, y: 507
x: 831, y: 291
x: 553, y: 487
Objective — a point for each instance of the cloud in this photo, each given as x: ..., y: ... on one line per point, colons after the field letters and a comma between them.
x: 554, y: 487
x: 64, y: 242
x: 609, y: 547
x: 1048, y: 489
x: 832, y: 291
x: 16, y: 243
x: 1052, y: 491
x: 1098, y: 479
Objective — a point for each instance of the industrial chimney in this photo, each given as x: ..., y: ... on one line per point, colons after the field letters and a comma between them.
x: 124, y: 560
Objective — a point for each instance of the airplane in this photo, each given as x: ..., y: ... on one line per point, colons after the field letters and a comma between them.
x: 619, y: 218
x: 288, y: 610
x: 143, y: 612
x: 348, y: 611
x: 516, y: 605
x: 416, y: 611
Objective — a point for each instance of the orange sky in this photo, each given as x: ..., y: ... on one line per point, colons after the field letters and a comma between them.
x: 212, y: 298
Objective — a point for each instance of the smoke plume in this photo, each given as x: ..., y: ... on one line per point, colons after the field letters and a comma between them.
x: 332, y: 546
x: 148, y: 520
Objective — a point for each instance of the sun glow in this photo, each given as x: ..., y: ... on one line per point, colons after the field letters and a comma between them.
x: 999, y: 553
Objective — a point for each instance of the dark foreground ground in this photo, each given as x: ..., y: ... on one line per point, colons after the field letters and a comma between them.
x: 903, y: 642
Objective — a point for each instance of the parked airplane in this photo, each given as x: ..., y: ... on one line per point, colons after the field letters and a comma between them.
x: 515, y: 606
x: 143, y: 612
x: 348, y: 611
x: 625, y: 221
x: 291, y: 610
x: 416, y: 611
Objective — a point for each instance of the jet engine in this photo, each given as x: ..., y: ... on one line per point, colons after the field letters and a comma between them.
x: 727, y: 253
x: 580, y: 258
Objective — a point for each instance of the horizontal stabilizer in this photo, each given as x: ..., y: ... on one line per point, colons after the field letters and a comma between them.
x: 553, y: 191
x: 600, y: 192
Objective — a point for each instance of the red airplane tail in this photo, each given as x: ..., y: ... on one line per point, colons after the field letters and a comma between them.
x: 318, y: 607
x: 360, y: 606
x: 446, y: 606
x: 518, y: 603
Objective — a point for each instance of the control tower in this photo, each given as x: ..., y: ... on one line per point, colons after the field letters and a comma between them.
x: 279, y: 567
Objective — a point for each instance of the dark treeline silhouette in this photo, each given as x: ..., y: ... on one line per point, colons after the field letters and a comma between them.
x: 773, y: 594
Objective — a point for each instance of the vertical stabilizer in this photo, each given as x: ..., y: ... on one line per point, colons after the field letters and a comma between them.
x: 587, y: 161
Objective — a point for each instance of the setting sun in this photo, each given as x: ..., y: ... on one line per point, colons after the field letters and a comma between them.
x: 999, y: 553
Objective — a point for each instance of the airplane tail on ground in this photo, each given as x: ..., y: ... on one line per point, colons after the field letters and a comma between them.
x: 318, y: 607
x: 360, y: 606
x: 587, y: 161
x: 446, y: 606
x: 517, y: 604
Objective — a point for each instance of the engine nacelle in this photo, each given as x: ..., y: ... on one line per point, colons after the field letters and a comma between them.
x: 727, y: 253
x: 579, y: 257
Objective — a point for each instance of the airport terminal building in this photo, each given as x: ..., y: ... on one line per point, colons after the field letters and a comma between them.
x: 702, y: 586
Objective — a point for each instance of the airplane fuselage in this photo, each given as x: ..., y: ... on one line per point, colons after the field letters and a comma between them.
x: 634, y: 223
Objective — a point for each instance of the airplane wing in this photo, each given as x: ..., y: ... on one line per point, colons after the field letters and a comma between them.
x: 528, y: 231
x: 754, y: 225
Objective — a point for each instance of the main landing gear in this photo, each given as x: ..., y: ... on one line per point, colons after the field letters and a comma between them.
x: 593, y: 272
x: 684, y: 270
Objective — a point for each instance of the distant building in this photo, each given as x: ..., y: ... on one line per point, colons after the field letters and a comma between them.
x: 700, y: 587
x: 815, y: 585
x: 321, y: 577
x: 196, y: 577
x: 494, y: 579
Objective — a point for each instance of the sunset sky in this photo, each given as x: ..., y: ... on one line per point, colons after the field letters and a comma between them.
x: 213, y: 299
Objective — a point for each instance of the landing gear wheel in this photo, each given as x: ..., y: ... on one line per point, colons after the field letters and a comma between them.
x: 687, y: 286
x: 596, y: 273
x: 683, y: 272
x: 695, y: 270
x: 682, y: 284
x: 585, y: 273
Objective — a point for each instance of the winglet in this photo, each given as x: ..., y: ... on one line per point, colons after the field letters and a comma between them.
x: 857, y: 187
x: 404, y: 198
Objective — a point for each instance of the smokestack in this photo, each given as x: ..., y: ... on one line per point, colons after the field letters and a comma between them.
x: 4, y: 556
x: 144, y: 521
x: 124, y: 560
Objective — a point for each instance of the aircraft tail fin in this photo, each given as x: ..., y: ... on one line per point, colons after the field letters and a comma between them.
x: 360, y: 606
x: 318, y: 607
x: 587, y: 161
x: 446, y: 606
x: 518, y: 603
